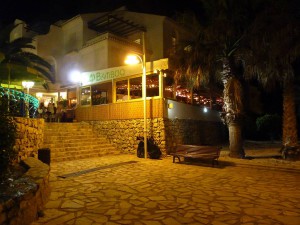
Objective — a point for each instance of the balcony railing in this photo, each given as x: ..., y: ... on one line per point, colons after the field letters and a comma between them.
x: 17, y: 103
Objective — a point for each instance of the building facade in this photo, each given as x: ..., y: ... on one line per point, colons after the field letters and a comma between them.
x: 88, y: 54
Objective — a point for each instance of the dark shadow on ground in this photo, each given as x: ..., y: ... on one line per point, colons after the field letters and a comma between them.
x: 206, y: 163
x: 263, y: 157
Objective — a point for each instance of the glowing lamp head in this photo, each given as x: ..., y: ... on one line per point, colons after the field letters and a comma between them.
x: 132, y: 59
x: 27, y: 84
x: 205, y: 110
x: 75, y: 76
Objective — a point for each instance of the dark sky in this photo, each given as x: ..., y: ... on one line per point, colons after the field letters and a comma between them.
x: 52, y: 10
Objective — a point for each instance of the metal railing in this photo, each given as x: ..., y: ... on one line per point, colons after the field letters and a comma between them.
x: 17, y: 103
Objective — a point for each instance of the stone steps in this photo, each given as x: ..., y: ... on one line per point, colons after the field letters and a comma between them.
x: 70, y: 141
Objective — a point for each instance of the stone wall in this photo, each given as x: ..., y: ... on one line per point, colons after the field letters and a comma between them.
x: 166, y: 132
x: 194, y: 132
x: 30, y: 136
x: 24, y: 208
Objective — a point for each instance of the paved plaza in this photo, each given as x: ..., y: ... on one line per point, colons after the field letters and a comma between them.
x: 124, y: 189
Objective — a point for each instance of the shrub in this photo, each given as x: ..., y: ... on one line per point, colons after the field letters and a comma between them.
x: 269, y: 126
x: 8, y: 138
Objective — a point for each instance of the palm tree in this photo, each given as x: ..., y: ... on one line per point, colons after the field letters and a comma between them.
x: 265, y: 47
x: 18, y: 64
x: 274, y: 54
x: 214, y: 56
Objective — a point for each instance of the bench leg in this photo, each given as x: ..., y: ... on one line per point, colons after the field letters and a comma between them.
x: 176, y: 157
x: 215, y: 162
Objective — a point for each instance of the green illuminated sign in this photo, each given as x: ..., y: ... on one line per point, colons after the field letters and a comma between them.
x: 102, y: 76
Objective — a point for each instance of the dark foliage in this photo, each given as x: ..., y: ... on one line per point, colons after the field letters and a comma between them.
x: 8, y: 138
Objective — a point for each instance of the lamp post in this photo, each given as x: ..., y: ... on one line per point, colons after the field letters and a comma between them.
x: 135, y: 59
x: 27, y: 85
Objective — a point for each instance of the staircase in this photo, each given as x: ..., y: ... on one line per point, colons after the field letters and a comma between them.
x: 70, y: 141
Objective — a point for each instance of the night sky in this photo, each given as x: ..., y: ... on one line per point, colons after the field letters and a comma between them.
x: 51, y: 11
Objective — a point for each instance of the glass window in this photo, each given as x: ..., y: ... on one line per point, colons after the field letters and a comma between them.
x: 71, y: 98
x: 122, y: 90
x: 85, y: 96
x: 169, y: 89
x: 99, y: 94
x: 136, y: 88
x: 152, y: 85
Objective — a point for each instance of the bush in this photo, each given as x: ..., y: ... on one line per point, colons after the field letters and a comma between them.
x: 269, y: 126
x: 8, y: 138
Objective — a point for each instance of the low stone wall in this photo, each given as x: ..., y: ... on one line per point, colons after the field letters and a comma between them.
x: 194, y: 132
x: 123, y: 133
x: 30, y: 137
x: 23, y: 209
x: 166, y: 132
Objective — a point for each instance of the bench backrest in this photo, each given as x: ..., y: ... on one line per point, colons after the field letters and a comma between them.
x: 204, y: 149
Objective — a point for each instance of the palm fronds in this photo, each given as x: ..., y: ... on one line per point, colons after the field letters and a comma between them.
x: 15, y: 54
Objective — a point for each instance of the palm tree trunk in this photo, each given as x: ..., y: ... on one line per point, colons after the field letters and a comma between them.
x: 232, y: 110
x: 235, y: 140
x: 289, y: 132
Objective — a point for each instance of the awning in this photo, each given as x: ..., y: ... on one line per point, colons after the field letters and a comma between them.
x: 115, y: 24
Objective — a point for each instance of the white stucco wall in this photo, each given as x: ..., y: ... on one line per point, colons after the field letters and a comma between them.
x: 94, y: 57
x: 185, y: 111
x: 73, y: 34
x: 73, y: 46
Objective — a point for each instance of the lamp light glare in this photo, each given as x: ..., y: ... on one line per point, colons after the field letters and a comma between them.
x: 170, y: 106
x: 132, y: 59
x: 39, y: 94
x: 75, y: 76
x: 27, y: 84
x: 205, y: 110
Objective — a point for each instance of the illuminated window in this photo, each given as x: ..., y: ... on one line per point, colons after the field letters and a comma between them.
x: 136, y: 88
x: 152, y: 85
x: 169, y: 89
x: 99, y: 95
x: 85, y: 97
x: 122, y: 90
x: 123, y: 93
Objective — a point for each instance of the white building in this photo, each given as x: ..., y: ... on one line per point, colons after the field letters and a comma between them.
x: 95, y: 42
x: 88, y: 53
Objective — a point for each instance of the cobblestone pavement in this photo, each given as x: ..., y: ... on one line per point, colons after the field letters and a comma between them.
x: 124, y: 189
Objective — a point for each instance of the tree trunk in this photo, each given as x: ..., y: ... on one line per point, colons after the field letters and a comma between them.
x: 235, y: 140
x: 289, y: 132
x: 233, y: 107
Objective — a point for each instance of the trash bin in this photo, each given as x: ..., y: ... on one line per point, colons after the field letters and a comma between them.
x: 44, y: 155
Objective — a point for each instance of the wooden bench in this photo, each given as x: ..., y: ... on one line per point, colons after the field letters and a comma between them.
x: 197, y: 152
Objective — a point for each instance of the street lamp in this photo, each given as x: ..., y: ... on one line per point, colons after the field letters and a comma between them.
x: 27, y: 85
x: 136, y: 59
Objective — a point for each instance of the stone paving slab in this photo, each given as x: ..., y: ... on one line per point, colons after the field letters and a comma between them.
x: 160, y: 192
